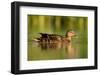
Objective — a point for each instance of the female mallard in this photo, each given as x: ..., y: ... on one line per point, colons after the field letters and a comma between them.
x: 52, y: 38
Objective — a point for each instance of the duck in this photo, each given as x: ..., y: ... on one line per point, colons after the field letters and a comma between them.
x: 54, y: 38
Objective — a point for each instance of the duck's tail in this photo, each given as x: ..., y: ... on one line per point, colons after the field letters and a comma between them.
x: 36, y: 39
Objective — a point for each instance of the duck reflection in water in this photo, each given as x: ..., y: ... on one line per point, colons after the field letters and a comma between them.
x: 46, y: 46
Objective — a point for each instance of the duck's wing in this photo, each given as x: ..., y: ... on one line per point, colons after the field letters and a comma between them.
x: 45, y: 35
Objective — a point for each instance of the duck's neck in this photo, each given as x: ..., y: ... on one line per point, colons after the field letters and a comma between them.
x: 69, y: 38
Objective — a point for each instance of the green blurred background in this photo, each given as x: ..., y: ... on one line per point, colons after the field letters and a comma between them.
x: 58, y: 25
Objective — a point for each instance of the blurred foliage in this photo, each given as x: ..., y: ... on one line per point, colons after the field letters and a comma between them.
x: 55, y: 24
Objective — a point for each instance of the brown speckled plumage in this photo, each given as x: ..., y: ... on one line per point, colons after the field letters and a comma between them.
x: 52, y: 38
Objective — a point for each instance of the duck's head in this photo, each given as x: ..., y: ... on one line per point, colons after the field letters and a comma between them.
x: 70, y: 34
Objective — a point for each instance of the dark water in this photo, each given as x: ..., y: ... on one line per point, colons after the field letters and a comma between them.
x: 78, y: 48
